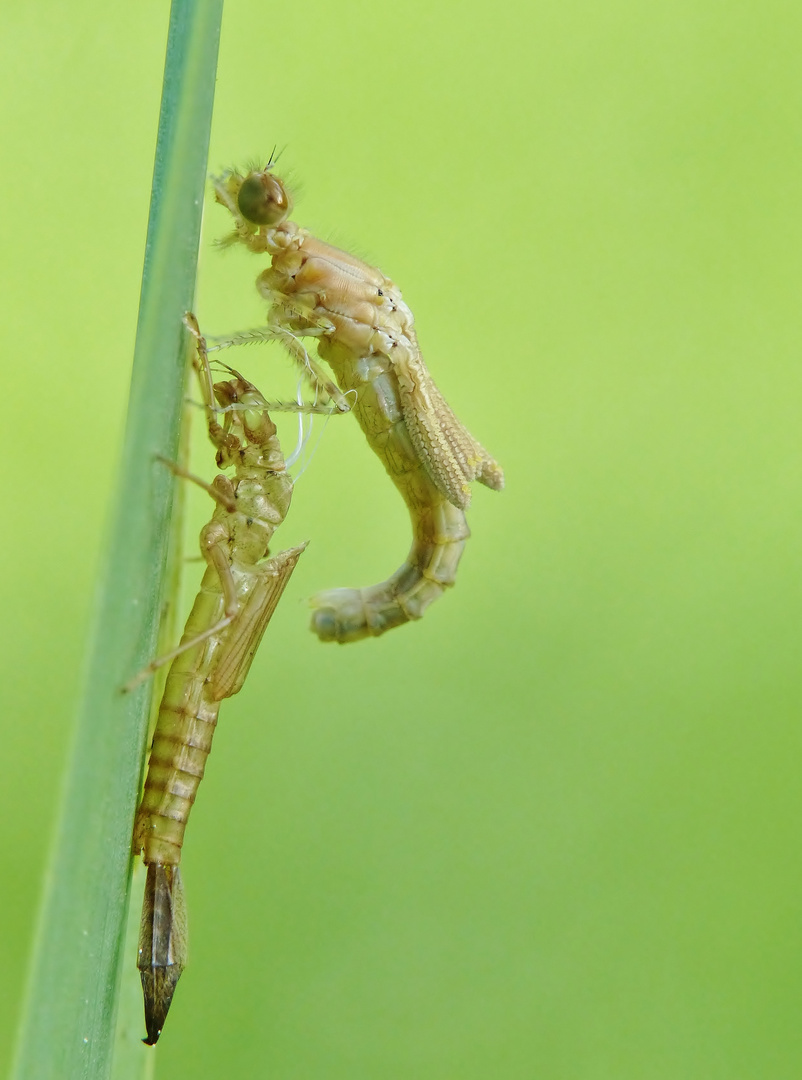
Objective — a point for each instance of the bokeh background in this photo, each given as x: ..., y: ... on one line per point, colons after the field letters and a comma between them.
x: 552, y: 830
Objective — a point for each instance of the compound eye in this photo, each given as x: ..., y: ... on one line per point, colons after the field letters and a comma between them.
x: 263, y: 199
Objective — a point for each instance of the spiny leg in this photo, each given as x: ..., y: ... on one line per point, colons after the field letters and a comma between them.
x: 276, y: 331
x: 302, y: 407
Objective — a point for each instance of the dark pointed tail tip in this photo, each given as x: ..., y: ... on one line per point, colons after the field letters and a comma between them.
x: 162, y: 944
x: 158, y: 987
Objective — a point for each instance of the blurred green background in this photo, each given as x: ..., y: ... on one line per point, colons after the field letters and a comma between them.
x: 552, y: 829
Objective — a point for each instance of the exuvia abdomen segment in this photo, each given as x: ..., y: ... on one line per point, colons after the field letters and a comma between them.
x: 182, y: 739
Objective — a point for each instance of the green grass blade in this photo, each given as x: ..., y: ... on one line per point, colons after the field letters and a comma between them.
x: 68, y: 1022
x: 131, y: 1059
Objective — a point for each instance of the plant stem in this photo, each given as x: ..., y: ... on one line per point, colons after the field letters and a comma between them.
x: 68, y: 1022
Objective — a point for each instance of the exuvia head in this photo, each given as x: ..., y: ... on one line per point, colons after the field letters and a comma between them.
x: 263, y: 198
x: 245, y: 408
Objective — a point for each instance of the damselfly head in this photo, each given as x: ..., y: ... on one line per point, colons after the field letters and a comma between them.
x: 263, y: 198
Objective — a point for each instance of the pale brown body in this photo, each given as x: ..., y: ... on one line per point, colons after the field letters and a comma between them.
x: 198, y: 681
x: 238, y: 595
x: 365, y: 333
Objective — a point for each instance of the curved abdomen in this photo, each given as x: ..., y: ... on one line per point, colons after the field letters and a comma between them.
x: 439, y: 528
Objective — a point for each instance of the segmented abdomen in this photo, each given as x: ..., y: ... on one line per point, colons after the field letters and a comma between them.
x: 366, y: 334
x: 439, y: 529
x: 183, y: 736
